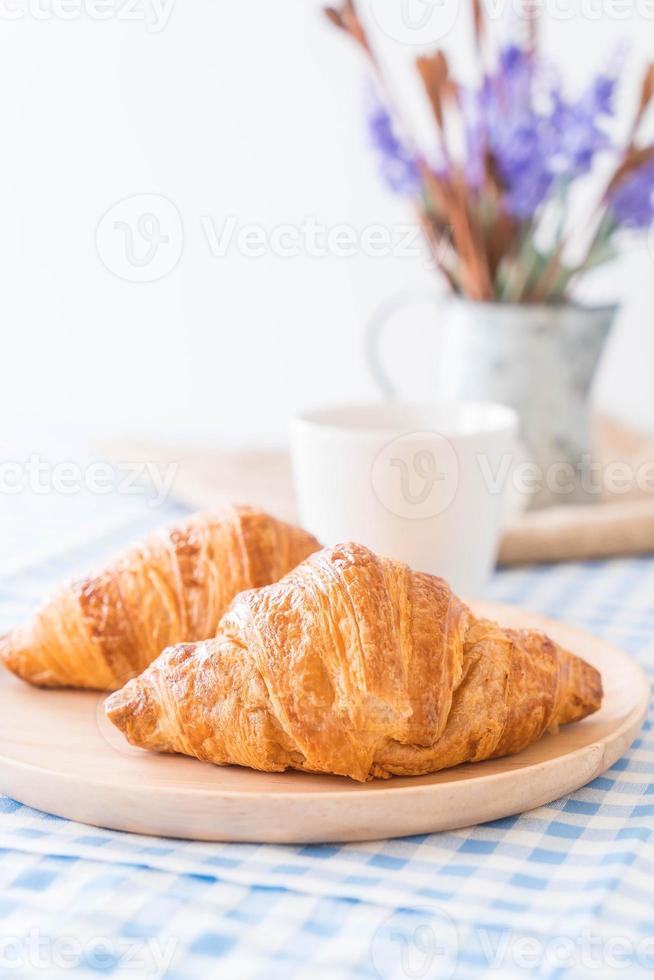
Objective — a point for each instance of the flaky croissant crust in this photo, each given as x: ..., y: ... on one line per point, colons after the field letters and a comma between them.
x: 353, y: 664
x: 99, y: 631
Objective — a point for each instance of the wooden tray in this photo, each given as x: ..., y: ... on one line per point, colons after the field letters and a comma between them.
x: 59, y: 754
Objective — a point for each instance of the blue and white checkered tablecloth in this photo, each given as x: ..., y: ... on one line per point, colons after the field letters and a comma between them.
x: 566, y: 890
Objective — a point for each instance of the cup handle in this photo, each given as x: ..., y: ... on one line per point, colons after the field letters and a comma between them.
x: 377, y: 327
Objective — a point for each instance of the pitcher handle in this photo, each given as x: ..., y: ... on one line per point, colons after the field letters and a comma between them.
x: 377, y: 326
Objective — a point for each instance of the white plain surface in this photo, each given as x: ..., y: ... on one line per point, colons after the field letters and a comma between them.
x: 245, y: 109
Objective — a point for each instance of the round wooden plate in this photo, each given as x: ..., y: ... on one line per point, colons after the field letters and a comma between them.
x: 59, y: 754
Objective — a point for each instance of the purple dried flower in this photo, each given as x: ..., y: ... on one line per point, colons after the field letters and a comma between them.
x: 512, y: 58
x: 397, y: 165
x: 514, y: 131
x: 535, y: 134
x: 576, y: 135
x: 599, y: 97
x: 516, y: 67
x: 632, y: 202
x: 522, y: 161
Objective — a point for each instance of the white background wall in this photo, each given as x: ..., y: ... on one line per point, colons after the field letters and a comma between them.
x: 251, y: 109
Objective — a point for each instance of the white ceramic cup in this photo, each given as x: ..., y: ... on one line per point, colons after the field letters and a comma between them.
x: 423, y: 483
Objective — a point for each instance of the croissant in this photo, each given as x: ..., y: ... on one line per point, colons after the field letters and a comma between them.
x: 353, y: 664
x: 100, y: 631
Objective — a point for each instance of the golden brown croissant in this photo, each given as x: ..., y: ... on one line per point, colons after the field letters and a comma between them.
x: 356, y: 665
x: 102, y: 630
